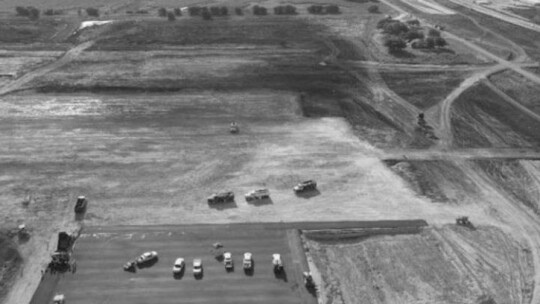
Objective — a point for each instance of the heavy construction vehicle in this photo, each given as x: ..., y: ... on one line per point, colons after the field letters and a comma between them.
x: 464, y: 221
x: 308, y: 185
x: 221, y: 197
x: 276, y: 262
x: 308, y: 280
x: 234, y: 128
x: 64, y: 242
x: 258, y: 194
x: 80, y: 205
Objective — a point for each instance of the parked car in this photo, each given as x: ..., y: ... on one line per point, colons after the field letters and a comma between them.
x: 248, y: 261
x: 146, y: 257
x: 178, y: 266
x: 308, y: 185
x: 276, y: 262
x: 221, y: 197
x: 258, y: 194
x: 228, y: 261
x: 197, y: 267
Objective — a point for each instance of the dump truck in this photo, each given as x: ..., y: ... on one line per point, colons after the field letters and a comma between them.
x: 80, y: 205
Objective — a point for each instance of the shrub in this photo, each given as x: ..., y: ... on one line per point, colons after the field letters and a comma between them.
x: 239, y: 11
x: 414, y: 22
x: 224, y: 11
x: 171, y: 16
x: 177, y: 12
x: 374, y: 9
x: 162, y: 12
x: 50, y: 12
x: 316, y: 9
x: 396, y: 28
x: 214, y: 10
x: 413, y: 34
x: 430, y: 42
x: 285, y: 10
x: 91, y: 11
x: 33, y: 13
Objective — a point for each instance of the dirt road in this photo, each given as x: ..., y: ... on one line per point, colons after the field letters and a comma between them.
x: 19, y: 83
x: 462, y: 154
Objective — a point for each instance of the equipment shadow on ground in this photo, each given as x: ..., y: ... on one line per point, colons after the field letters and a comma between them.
x: 308, y: 194
x: 261, y: 202
x: 180, y: 275
x: 223, y: 206
x: 281, y: 275
x: 147, y: 264
x: 250, y: 272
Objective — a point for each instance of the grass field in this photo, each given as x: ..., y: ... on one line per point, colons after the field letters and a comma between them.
x: 521, y: 89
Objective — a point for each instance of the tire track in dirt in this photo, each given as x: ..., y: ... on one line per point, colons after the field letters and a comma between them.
x: 511, y: 100
x: 19, y: 83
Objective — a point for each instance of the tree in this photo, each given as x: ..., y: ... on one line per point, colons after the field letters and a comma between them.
x: 430, y: 42
x: 215, y: 11
x: 91, y: 11
x: 224, y: 11
x: 315, y: 9
x: 440, y: 42
x: 413, y: 34
x: 22, y: 11
x: 395, y: 44
x: 239, y: 11
x: 194, y: 11
x: 177, y: 12
x: 434, y: 33
x: 332, y: 9
x: 162, y: 12
x: 259, y: 10
x: 395, y: 28
x: 206, y: 15
x: 171, y: 16
x: 374, y: 9
x: 33, y: 13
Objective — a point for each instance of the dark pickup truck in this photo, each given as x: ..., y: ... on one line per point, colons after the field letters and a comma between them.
x: 80, y: 205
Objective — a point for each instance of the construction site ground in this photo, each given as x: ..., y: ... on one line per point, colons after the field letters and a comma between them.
x: 135, y: 116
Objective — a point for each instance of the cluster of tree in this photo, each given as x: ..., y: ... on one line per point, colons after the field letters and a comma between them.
x: 239, y: 11
x: 260, y: 10
x: 323, y: 9
x: 399, y: 33
x: 31, y: 12
x: 207, y: 13
x: 170, y: 15
x: 285, y: 10
x: 137, y: 12
x: 92, y: 11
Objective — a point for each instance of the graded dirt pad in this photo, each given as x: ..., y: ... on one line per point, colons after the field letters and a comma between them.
x: 423, y: 89
x: 129, y: 152
x: 100, y: 254
x: 520, y: 88
x: 481, y: 118
x: 440, y: 265
x: 441, y: 181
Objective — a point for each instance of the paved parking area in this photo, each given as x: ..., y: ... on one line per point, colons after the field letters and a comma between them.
x: 101, y: 252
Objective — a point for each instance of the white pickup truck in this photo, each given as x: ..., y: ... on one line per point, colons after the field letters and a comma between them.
x: 258, y: 194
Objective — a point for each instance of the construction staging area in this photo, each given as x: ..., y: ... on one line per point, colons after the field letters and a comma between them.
x: 380, y: 172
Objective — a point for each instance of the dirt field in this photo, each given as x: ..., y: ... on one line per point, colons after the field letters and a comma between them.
x: 443, y: 265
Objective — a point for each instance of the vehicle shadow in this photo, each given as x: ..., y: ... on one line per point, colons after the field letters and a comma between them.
x: 251, y: 271
x: 79, y: 216
x: 230, y: 269
x: 308, y: 194
x: 261, y: 202
x: 281, y: 275
x: 180, y: 275
x: 223, y: 206
x: 200, y: 276
x: 147, y: 264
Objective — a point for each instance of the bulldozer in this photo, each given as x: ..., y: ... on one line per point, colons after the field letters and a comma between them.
x: 464, y: 221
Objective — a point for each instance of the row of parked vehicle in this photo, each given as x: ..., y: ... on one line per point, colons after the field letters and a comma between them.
x: 259, y: 194
x: 180, y: 264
